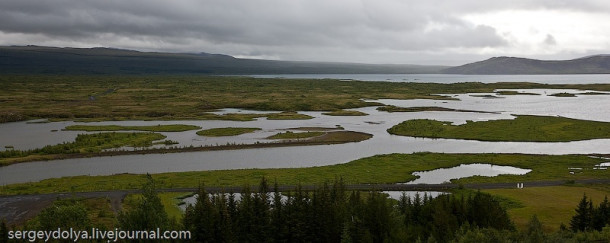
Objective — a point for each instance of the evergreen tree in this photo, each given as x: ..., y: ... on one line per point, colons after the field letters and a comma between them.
x: 201, y: 218
x: 582, y: 220
x: 601, y: 216
x: 149, y: 214
x: 278, y: 226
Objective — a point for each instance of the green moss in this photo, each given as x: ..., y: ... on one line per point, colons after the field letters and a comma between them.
x: 226, y: 131
x: 522, y: 128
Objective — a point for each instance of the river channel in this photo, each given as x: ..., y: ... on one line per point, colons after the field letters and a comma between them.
x: 28, y: 135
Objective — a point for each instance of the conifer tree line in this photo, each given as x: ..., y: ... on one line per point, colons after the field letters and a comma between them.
x: 332, y: 214
x: 588, y: 217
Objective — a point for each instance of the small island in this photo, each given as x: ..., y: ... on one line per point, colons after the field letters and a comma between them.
x: 521, y: 129
x: 227, y: 131
x: 345, y: 113
x: 157, y: 128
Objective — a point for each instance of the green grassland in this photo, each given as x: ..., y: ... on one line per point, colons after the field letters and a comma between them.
x: 226, y: 131
x: 522, y: 128
x: 100, y: 97
x: 552, y: 205
x: 157, y: 128
x: 83, y: 144
x: 295, y: 135
x: 392, y: 168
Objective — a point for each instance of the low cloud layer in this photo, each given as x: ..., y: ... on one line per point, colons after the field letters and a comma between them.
x: 386, y: 31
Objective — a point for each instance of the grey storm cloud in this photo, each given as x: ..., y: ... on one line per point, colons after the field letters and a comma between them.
x: 269, y: 27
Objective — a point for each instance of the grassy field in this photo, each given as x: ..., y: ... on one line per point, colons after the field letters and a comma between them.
x: 552, y: 205
x: 98, y: 97
x: 83, y: 144
x: 392, y: 168
x: 157, y: 128
x: 227, y: 131
x: 345, y: 113
x: 295, y: 135
x: 522, y: 129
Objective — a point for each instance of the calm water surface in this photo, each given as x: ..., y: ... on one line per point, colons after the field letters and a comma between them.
x: 445, y: 175
x: 454, y: 78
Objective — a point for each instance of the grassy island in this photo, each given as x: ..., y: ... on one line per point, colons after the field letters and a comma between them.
x: 83, y: 144
x: 563, y: 95
x: 344, y: 113
x: 295, y: 135
x: 288, y: 115
x: 157, y: 128
x: 512, y: 92
x: 391, y: 108
x: 226, y: 131
x: 520, y: 129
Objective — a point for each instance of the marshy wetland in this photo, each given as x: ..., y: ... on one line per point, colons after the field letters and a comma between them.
x: 232, y: 131
x: 227, y: 138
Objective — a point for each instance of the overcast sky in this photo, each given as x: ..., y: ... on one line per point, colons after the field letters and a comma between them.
x: 448, y: 32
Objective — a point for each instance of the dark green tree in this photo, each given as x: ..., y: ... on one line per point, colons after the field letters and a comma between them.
x: 148, y: 214
x: 583, y: 218
x: 601, y: 216
x: 64, y: 214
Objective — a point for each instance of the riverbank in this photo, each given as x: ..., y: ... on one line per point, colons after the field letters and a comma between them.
x: 379, y: 169
x: 325, y: 138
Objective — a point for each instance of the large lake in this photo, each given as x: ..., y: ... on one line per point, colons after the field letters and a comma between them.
x: 455, y: 78
x: 23, y: 135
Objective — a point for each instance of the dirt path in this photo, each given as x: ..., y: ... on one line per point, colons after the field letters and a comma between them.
x: 19, y: 208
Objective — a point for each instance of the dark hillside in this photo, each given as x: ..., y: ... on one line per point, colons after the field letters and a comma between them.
x: 52, y: 60
x: 514, y: 65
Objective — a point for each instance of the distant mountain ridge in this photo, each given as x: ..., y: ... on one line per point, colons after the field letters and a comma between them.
x: 103, y: 60
x: 55, y: 60
x: 598, y: 64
